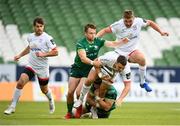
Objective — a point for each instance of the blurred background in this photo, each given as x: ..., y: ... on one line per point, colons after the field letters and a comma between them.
x: 65, y: 20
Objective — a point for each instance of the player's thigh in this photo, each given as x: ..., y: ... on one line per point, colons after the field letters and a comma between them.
x: 26, y: 75
x: 24, y: 78
x: 137, y: 57
x: 92, y: 76
x: 72, y: 84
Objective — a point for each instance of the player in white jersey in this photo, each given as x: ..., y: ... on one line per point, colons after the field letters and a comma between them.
x: 130, y: 27
x: 111, y: 65
x: 40, y: 47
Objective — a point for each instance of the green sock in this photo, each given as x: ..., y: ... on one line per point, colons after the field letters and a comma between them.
x: 69, y: 107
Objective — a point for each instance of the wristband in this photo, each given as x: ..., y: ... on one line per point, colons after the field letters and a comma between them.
x: 92, y: 62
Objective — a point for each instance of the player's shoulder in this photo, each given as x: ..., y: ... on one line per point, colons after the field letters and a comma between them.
x: 116, y: 23
x: 30, y: 37
x: 46, y: 36
x: 98, y: 39
x: 81, y: 42
x: 138, y: 19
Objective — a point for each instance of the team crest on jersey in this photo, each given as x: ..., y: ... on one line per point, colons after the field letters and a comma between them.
x: 123, y: 30
x: 134, y: 27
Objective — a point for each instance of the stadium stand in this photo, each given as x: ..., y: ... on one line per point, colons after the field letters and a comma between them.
x: 65, y: 20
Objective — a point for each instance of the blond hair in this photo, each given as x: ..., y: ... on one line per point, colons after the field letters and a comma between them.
x: 128, y: 14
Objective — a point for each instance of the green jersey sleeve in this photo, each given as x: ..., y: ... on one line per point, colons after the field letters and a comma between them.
x: 111, y: 93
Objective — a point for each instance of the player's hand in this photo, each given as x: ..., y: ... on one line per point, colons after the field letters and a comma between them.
x: 125, y: 40
x: 97, y: 63
x: 40, y: 54
x: 16, y: 58
x: 118, y: 103
x: 164, y: 34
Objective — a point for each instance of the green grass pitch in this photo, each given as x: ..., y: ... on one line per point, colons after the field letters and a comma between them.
x: 36, y: 113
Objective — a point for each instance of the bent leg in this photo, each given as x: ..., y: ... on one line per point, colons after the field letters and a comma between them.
x: 86, y: 86
x: 138, y: 57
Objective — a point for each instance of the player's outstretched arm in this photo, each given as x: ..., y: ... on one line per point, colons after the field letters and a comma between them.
x: 23, y: 53
x: 114, y: 44
x: 53, y: 52
x: 125, y: 91
x: 86, y: 60
x: 103, y: 32
x: 157, y: 28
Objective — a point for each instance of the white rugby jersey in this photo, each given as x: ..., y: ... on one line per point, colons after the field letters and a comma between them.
x: 108, y: 63
x: 133, y: 33
x: 42, y: 43
x: 109, y: 59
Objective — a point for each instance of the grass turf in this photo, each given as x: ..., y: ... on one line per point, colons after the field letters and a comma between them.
x: 36, y: 113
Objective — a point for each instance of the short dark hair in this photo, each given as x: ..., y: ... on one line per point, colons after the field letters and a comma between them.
x: 128, y: 14
x: 122, y: 59
x: 38, y: 20
x: 89, y: 26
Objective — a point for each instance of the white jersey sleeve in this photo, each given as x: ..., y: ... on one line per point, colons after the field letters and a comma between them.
x: 50, y: 42
x: 115, y: 26
x: 141, y: 22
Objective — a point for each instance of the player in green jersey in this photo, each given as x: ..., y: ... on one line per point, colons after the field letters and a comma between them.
x: 100, y: 108
x: 87, y: 50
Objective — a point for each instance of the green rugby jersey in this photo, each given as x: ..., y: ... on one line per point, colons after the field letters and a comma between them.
x: 92, y: 50
x: 111, y: 94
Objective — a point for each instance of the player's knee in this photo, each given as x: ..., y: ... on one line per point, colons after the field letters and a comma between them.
x: 88, y: 82
x: 44, y: 91
x: 142, y: 62
x: 70, y: 93
x: 77, y: 94
x: 20, y: 84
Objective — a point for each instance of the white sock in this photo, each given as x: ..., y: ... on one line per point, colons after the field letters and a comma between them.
x: 84, y: 91
x: 142, y: 74
x: 49, y: 95
x: 17, y: 94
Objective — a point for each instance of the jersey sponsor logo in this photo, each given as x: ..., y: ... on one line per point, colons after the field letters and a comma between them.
x: 130, y: 36
x: 104, y: 60
x: 35, y: 49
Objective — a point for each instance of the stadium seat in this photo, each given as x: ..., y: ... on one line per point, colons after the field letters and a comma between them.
x: 65, y: 20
